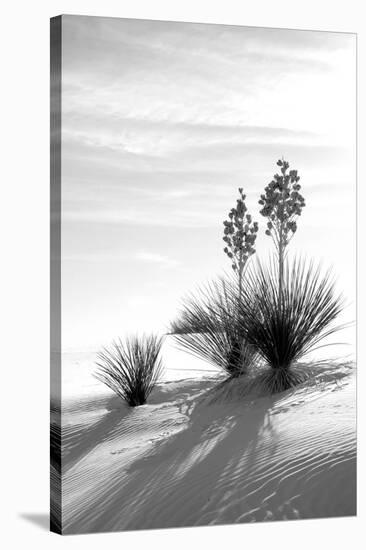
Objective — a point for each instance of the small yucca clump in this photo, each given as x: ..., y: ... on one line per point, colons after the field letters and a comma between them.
x: 131, y: 368
x: 285, y: 322
x: 208, y: 328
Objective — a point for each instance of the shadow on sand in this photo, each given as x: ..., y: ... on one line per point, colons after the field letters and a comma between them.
x: 183, y: 467
x: 79, y: 439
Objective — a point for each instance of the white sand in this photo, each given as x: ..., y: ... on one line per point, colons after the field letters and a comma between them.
x: 184, y: 460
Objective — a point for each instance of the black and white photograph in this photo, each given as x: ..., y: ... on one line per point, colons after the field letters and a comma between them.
x: 203, y: 271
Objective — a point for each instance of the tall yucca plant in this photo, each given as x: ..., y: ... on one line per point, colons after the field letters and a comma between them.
x: 131, y: 368
x: 284, y: 322
x: 208, y: 328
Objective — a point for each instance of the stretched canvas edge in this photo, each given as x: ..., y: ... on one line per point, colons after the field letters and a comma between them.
x: 55, y: 274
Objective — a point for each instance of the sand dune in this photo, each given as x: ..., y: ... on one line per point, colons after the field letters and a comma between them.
x: 188, y: 459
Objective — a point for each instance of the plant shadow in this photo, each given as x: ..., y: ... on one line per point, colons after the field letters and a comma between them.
x: 78, y: 439
x: 216, y: 439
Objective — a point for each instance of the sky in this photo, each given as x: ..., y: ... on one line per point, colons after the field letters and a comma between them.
x: 161, y: 123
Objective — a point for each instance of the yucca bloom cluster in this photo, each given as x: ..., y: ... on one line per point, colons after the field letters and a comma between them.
x: 282, y: 203
x: 240, y: 233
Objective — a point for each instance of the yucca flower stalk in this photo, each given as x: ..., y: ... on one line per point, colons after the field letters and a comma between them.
x: 240, y: 233
x: 282, y: 204
x: 131, y: 368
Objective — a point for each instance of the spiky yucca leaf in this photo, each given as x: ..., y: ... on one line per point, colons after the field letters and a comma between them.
x: 209, y: 328
x: 283, y: 325
x: 131, y: 368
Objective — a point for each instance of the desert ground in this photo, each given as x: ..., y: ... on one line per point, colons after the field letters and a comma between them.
x: 205, y: 452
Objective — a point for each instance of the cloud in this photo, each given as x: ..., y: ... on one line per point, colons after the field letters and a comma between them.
x: 194, y: 218
x: 162, y: 137
x: 152, y: 258
x: 121, y: 256
x: 201, y: 74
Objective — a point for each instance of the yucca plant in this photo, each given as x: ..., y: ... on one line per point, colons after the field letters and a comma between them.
x: 208, y: 328
x: 131, y: 368
x: 209, y: 324
x: 284, y: 322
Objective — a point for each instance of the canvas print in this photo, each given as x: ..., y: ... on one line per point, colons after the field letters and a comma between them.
x: 203, y: 266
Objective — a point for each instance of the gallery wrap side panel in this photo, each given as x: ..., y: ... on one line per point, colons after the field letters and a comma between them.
x: 55, y: 273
